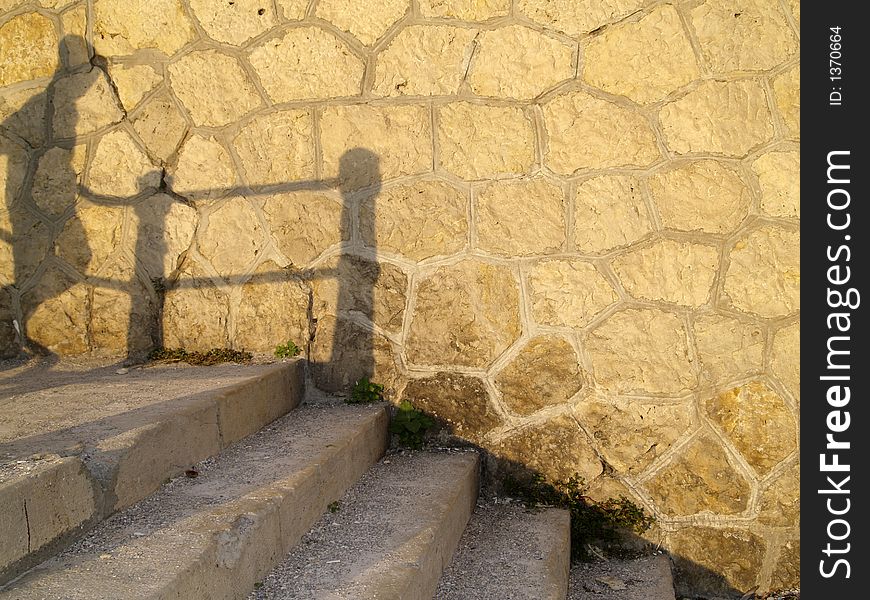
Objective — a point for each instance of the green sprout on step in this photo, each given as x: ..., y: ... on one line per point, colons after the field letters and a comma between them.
x: 288, y: 350
x: 410, y: 425
x: 365, y: 392
x: 334, y: 507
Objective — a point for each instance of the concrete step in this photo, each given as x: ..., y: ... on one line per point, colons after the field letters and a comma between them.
x: 510, y: 553
x: 646, y: 578
x: 389, y: 538
x: 215, y: 535
x: 78, y: 444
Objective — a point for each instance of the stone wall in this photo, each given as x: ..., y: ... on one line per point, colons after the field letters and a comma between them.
x: 569, y: 228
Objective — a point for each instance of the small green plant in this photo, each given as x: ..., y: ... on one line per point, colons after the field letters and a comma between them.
x: 334, y: 507
x: 211, y: 357
x: 288, y: 350
x: 365, y: 392
x: 410, y: 425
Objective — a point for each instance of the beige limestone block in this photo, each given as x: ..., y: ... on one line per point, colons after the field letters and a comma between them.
x: 700, y: 479
x: 234, y: 22
x: 161, y: 231
x: 520, y: 217
x: 123, y: 26
x: 480, y: 142
x: 90, y: 237
x: 765, y: 274
x: 366, y: 21
x: 444, y: 50
x: 720, y: 117
x: 277, y: 148
x: 273, y: 311
x: 58, y: 175
x: 787, y: 92
x: 160, y: 126
x: 30, y: 48
x: 670, y: 271
x: 419, y: 221
x: 133, y: 82
x: 630, y: 435
x: 785, y: 358
x: 568, y: 293
x: 305, y: 63
x: 779, y: 177
x: 305, y: 224
x: 13, y: 168
x: 56, y: 313
x: 645, y: 60
x: 212, y: 87
x: 75, y: 23
x: 742, y: 35
x: 348, y: 284
x: 781, y: 501
x: 588, y: 133
x: 758, y: 422
x: 84, y: 103
x: 22, y: 113
x: 398, y: 137
x: 546, y: 372
x: 124, y: 316
x: 641, y: 350
x: 232, y: 238
x: 119, y: 168
x: 460, y: 401
x: 715, y: 562
x: 518, y: 62
x: 703, y: 195
x: 727, y: 348
x: 293, y: 9
x: 23, y: 245
x: 577, y: 16
x: 609, y: 211
x: 466, y: 314
x: 194, y: 312
x: 787, y: 572
x: 203, y: 170
x: 555, y: 449
x: 465, y: 10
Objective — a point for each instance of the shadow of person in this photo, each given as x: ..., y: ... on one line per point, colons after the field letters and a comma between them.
x: 37, y: 144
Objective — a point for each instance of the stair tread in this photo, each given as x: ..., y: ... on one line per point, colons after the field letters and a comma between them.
x: 392, y: 535
x: 155, y: 545
x: 645, y: 578
x: 511, y: 553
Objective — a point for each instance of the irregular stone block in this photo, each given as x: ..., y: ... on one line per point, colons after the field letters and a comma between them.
x: 700, y: 480
x: 641, y: 350
x: 56, y: 313
x: 763, y: 276
x: 758, y: 422
x: 23, y: 247
x: 568, y: 293
x: 13, y: 167
x: 727, y: 348
x: 444, y: 50
x: 715, y: 561
x: 133, y: 82
x: 466, y: 314
x: 720, y: 117
x: 577, y: 16
x: 203, y: 169
x: 510, y: 225
x: 629, y: 434
x: 124, y: 316
x: 609, y: 211
x: 84, y: 103
x: 119, y: 168
x: 273, y: 311
x: 419, y: 221
x: 781, y: 501
x: 779, y: 177
x: 787, y: 92
x: 277, y: 148
x: 460, y: 400
x: 91, y: 236
x: 161, y: 231
x: 75, y: 29
x: 232, y: 238
x: 787, y: 572
x: 366, y: 22
x: 305, y: 224
x: 195, y: 311
x: 480, y: 142
x: 234, y: 22
x: 785, y: 358
x: 465, y: 10
x: 704, y: 195
x: 293, y: 9
x: 307, y: 62
x: 30, y: 48
x: 160, y: 126
x: 742, y: 35
x: 213, y: 88
x: 400, y: 137
x: 545, y: 372
x: 22, y: 114
x: 518, y: 62
x: 670, y: 271
x: 123, y: 26
x: 645, y: 60
x: 58, y: 175
x: 588, y: 133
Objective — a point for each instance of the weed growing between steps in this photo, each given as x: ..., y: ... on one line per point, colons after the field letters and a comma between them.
x: 288, y: 350
x: 591, y: 522
x: 365, y: 392
x: 214, y: 356
x: 410, y: 425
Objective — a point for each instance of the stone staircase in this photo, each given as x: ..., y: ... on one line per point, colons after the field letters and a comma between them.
x: 222, y: 483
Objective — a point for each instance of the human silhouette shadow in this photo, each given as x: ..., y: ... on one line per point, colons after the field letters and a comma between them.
x: 37, y: 201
